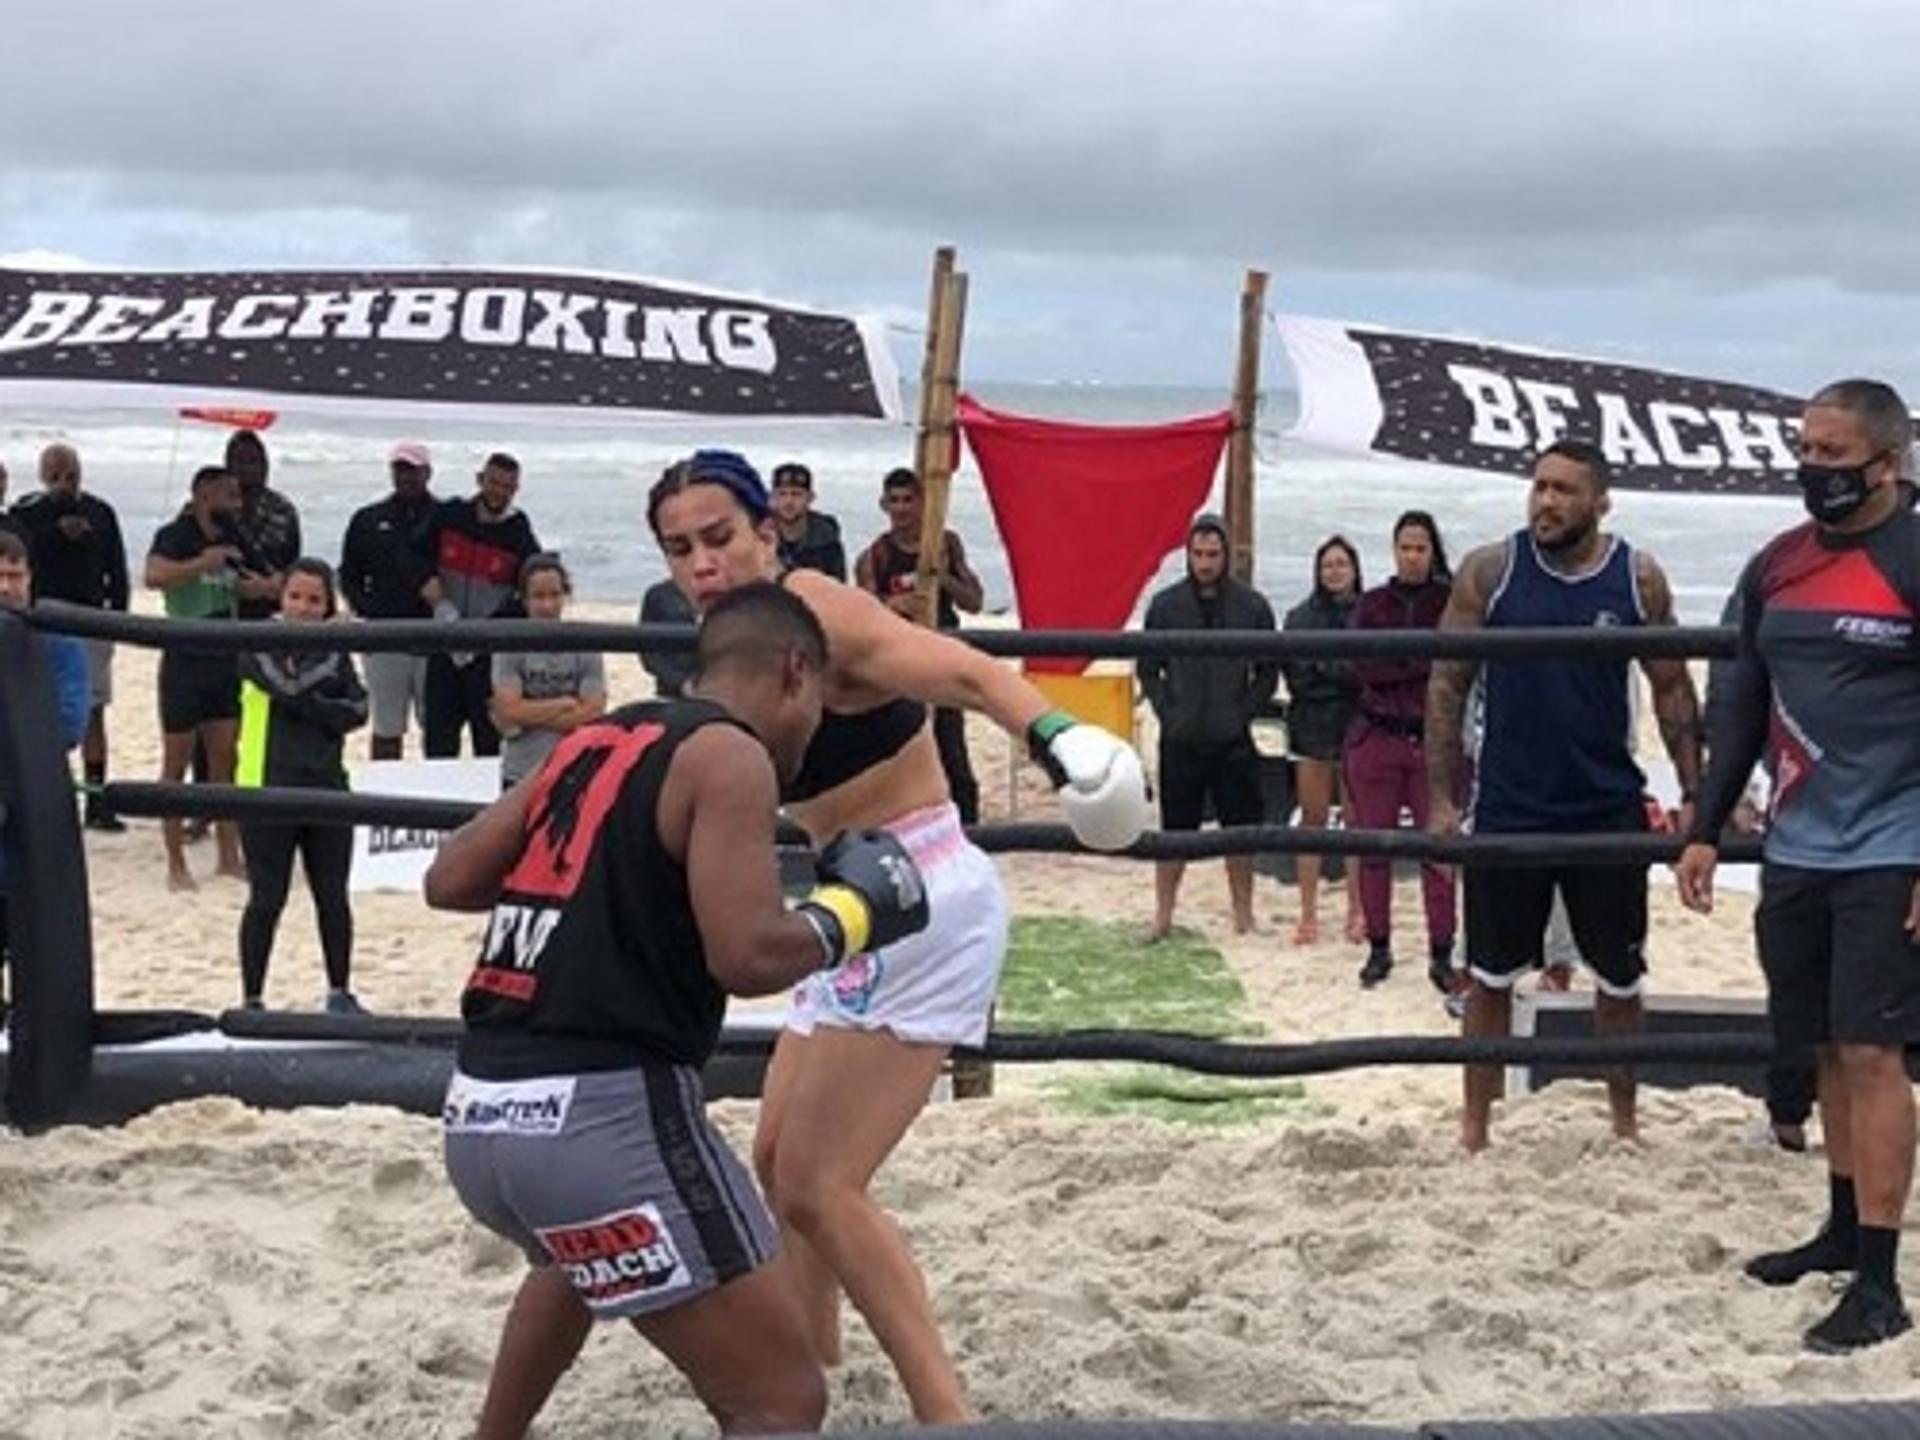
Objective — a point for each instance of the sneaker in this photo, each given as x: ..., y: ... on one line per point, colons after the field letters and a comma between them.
x: 1825, y: 1254
x: 1867, y: 1314
x: 1379, y: 965
x: 104, y: 820
x: 1791, y: 1138
x: 1459, y: 987
x: 253, y: 1002
x: 342, y: 1002
x: 1440, y: 968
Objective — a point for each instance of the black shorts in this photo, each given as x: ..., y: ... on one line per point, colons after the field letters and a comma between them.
x: 1192, y: 775
x: 1841, y: 967
x: 1508, y: 909
x: 1317, y: 731
x: 196, y: 689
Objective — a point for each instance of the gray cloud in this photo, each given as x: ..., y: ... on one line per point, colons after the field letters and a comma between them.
x: 1118, y: 159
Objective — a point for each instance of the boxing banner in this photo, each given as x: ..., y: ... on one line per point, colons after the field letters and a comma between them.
x: 545, y: 345
x: 1491, y: 407
x: 1087, y: 512
x: 396, y: 857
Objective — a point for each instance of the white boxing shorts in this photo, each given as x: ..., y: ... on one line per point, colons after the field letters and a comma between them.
x: 936, y: 987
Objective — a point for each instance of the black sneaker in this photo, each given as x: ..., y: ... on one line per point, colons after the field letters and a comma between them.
x: 344, y: 1002
x: 104, y: 820
x: 1867, y: 1314
x: 1440, y: 969
x: 1826, y: 1254
x: 1379, y: 965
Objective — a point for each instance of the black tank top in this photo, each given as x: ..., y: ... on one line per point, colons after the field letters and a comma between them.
x: 893, y: 573
x: 851, y: 742
x: 593, y: 960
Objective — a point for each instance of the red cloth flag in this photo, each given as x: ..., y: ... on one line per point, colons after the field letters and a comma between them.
x: 1087, y: 512
x: 233, y: 418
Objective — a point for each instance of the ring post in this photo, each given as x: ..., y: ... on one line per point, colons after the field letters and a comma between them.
x: 50, y: 934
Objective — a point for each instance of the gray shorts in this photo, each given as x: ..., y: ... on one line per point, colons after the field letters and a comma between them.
x: 99, y: 673
x: 615, y: 1176
x: 395, y: 684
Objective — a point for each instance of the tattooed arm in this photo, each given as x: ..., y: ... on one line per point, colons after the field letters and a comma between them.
x: 1449, y: 684
x: 1675, y: 703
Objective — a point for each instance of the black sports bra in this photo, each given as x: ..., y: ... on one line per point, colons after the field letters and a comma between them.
x: 849, y: 743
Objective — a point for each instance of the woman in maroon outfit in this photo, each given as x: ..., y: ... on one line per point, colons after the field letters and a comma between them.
x: 1385, y: 768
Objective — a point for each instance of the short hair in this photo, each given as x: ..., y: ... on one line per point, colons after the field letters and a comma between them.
x: 209, y: 475
x: 501, y: 460
x: 900, y: 478
x: 1876, y: 405
x: 546, y: 562
x: 13, y: 548
x: 320, y: 570
x: 1583, y: 453
x: 792, y: 472
x: 759, y: 625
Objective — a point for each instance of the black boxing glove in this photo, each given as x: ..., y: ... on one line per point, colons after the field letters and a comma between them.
x: 870, y: 894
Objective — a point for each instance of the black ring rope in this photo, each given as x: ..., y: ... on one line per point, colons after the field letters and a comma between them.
x: 150, y: 799
x: 1622, y: 642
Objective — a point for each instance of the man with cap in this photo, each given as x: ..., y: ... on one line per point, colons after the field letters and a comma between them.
x: 805, y: 539
x: 1206, y: 707
x: 380, y: 578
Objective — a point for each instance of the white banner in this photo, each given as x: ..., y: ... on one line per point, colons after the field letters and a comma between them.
x: 394, y: 857
x: 1493, y: 407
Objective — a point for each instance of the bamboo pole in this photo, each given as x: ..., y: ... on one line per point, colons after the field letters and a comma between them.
x: 935, y: 452
x: 943, y: 259
x: 1246, y: 401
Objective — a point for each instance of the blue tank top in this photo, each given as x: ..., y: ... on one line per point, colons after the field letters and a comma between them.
x: 1555, y: 749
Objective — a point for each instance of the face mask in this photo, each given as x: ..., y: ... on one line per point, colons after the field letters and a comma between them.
x: 1833, y: 492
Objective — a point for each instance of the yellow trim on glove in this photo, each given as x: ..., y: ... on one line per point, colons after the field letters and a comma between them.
x: 850, y: 908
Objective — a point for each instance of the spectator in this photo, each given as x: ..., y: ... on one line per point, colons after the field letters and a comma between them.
x: 67, y: 665
x: 473, y: 549
x: 79, y: 558
x: 1206, y: 707
x: 807, y: 540
x: 1385, y: 762
x: 295, y: 712
x: 664, y: 604
x: 886, y: 568
x: 1555, y: 753
x: 380, y: 579
x: 538, y: 697
x: 198, y: 565
x: 268, y: 522
x: 1320, y: 701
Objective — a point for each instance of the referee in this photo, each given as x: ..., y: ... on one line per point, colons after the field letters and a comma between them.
x: 1828, y: 677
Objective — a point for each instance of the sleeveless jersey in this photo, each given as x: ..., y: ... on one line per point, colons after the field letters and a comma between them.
x: 893, y: 572
x: 593, y: 959
x: 1555, y: 749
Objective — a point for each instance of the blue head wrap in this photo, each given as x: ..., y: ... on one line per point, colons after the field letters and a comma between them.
x: 731, y: 469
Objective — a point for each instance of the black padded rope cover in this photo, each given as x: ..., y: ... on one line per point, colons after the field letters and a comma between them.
x: 50, y: 934
x: 1140, y: 1430
x: 1866, y: 1420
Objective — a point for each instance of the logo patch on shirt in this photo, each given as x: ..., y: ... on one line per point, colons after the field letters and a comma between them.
x: 1875, y: 631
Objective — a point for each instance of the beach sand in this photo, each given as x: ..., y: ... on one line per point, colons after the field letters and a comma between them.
x: 214, y: 1271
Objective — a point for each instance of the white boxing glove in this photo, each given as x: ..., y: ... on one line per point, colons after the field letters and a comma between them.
x: 1102, y: 787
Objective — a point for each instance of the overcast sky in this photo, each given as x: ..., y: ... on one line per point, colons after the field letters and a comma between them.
x: 1723, y: 187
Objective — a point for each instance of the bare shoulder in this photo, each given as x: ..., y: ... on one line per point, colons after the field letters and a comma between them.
x: 1656, y: 595
x: 721, y: 751
x: 1479, y: 574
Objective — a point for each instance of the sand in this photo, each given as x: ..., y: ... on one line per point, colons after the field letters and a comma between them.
x: 213, y: 1271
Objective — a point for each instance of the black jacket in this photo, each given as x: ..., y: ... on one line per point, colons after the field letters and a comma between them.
x: 295, y: 710
x: 381, y: 571
x: 90, y: 570
x: 1320, y: 682
x: 818, y: 549
x: 1208, y: 701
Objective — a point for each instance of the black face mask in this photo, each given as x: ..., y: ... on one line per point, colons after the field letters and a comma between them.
x: 1833, y: 492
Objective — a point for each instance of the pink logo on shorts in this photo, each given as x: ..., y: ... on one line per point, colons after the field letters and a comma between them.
x: 852, y: 982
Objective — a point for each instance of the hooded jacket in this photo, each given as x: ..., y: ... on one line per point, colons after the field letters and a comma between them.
x: 1396, y: 690
x: 1320, y: 682
x: 295, y: 710
x: 1207, y: 701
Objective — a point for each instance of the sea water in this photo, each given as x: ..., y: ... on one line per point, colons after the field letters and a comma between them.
x: 584, y: 488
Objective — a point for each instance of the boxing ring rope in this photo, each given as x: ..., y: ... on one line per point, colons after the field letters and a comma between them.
x: 83, y: 1030
x: 67, y: 1063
